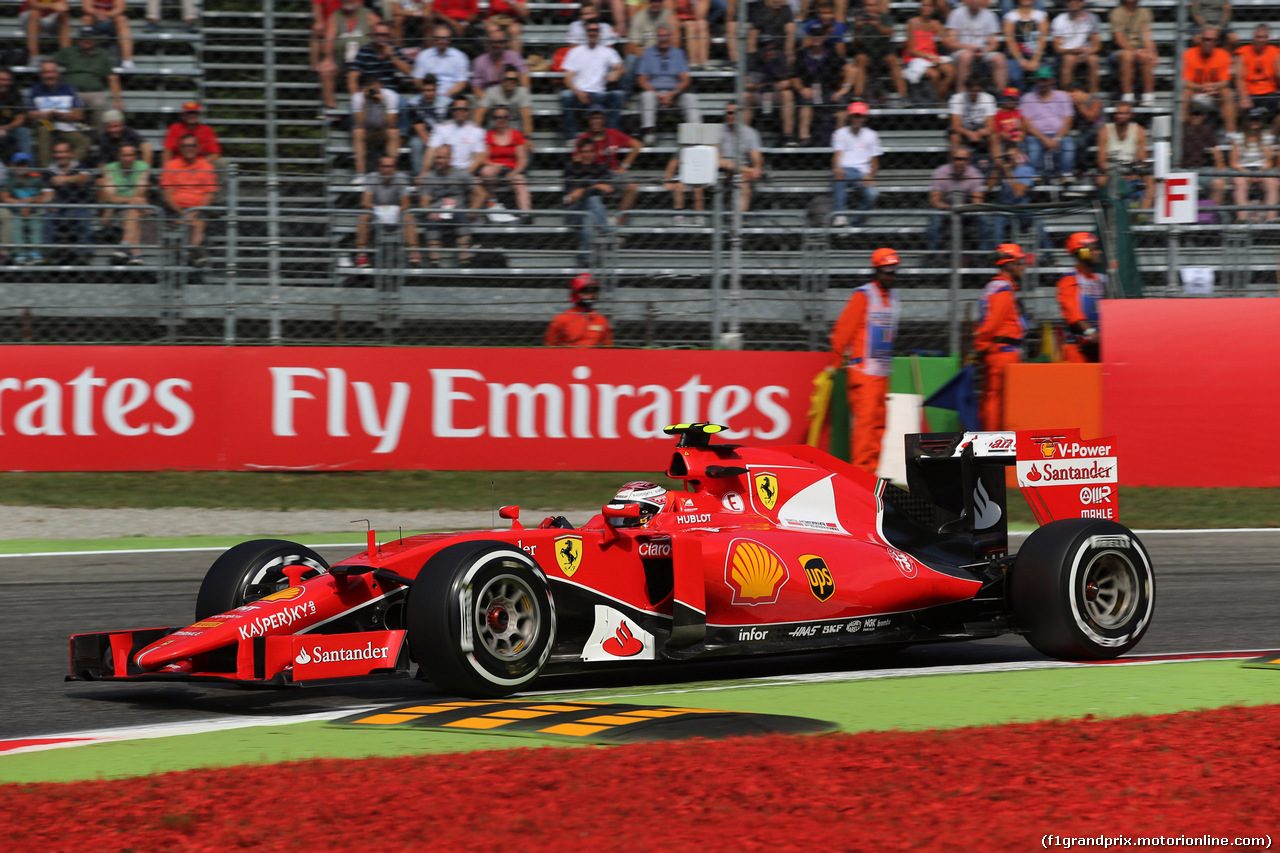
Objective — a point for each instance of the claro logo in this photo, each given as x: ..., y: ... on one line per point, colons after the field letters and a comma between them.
x: 90, y: 403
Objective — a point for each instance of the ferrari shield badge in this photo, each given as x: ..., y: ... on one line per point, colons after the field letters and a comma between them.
x: 767, y: 489
x: 569, y: 554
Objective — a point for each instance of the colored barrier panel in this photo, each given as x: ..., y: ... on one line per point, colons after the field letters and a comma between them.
x: 1040, y: 396
x: 311, y: 408
x: 1189, y: 388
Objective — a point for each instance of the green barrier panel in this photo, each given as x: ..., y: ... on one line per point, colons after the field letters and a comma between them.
x: 933, y: 373
x: 838, y: 415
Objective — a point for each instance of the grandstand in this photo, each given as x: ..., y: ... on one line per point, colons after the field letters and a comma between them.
x: 283, y: 224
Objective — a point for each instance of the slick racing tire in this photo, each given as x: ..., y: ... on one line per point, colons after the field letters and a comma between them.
x: 252, y: 570
x: 481, y: 620
x: 1083, y: 589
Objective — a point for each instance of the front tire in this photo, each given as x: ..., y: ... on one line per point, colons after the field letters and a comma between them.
x: 481, y: 620
x: 1083, y: 589
x: 252, y: 570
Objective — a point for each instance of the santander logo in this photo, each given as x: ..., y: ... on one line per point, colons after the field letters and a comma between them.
x: 623, y: 644
x: 302, y: 657
x: 1033, y: 474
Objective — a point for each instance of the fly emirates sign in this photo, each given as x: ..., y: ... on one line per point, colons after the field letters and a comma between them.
x: 127, y: 408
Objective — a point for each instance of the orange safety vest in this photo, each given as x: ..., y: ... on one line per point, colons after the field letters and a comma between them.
x: 578, y: 328
x: 863, y: 336
x: 1078, y: 297
x: 1001, y: 326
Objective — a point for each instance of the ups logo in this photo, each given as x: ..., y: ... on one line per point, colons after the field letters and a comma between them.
x: 821, y: 583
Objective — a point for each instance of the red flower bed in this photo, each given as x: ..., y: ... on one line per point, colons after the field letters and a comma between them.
x: 1194, y: 774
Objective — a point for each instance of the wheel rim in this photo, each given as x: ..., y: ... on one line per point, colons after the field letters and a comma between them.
x: 270, y: 577
x: 1109, y: 590
x: 507, y: 617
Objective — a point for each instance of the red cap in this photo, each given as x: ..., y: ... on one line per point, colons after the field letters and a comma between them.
x: 858, y: 108
x: 1006, y: 252
x: 581, y: 282
x: 884, y: 257
x: 1011, y: 93
x: 191, y: 107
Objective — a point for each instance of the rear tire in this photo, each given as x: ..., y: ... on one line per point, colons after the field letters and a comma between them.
x: 252, y: 570
x: 481, y: 620
x: 1083, y: 589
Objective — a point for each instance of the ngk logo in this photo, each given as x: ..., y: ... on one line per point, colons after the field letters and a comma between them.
x: 1095, y: 495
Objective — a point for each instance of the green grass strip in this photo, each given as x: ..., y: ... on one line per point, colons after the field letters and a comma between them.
x: 909, y: 703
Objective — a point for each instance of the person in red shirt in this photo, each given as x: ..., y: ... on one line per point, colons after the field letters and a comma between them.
x: 1008, y: 124
x: 1079, y: 293
x: 210, y: 149
x: 505, y: 159
x: 1001, y: 327
x: 580, y: 326
x: 457, y: 14
x: 862, y: 341
x: 1206, y: 77
x: 616, y: 150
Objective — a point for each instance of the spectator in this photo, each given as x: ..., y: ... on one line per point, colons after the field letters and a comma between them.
x: 1135, y: 46
x: 771, y: 83
x: 422, y: 117
x: 855, y: 160
x: 56, y: 110
x: 580, y: 326
x: 375, y: 119
x: 671, y: 183
x: 586, y: 184
x: 873, y: 49
x: 1254, y: 150
x: 695, y: 32
x: 1047, y: 117
x: 1008, y: 134
x: 457, y: 15
x: 508, y: 17
x: 506, y: 160
x: 489, y: 67
x: 1202, y: 151
x: 772, y: 19
x: 15, y: 136
x: 972, y: 118
x: 447, y: 64
x: 386, y: 202
x: 126, y: 181
x: 1206, y: 78
x: 409, y: 20
x: 1001, y: 328
x: 922, y: 56
x: 954, y: 183
x: 589, y: 69
x: 823, y: 81
x: 345, y: 31
x: 1122, y: 145
x: 444, y: 189
x: 513, y: 95
x: 25, y: 184
x: 664, y: 80
x: 1215, y: 14
x: 837, y: 30
x: 1010, y: 183
x: 1090, y: 108
x: 1079, y: 293
x: 51, y: 17
x: 466, y: 144
x: 644, y: 27
x: 189, y: 182
x: 72, y: 186
x: 209, y: 147
x: 379, y: 58
x: 610, y: 146
x: 973, y: 37
x: 106, y: 145
x: 1026, y: 35
x: 747, y: 164
x: 189, y: 16
x: 87, y: 68
x: 1258, y: 72
x: 1077, y: 40
x: 589, y: 13
x: 107, y: 18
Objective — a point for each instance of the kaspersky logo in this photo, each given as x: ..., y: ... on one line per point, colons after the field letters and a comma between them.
x: 767, y: 489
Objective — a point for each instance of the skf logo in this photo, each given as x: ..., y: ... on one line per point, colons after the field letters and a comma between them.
x: 820, y: 582
x: 284, y: 594
x: 767, y: 489
x: 754, y: 573
x: 569, y: 554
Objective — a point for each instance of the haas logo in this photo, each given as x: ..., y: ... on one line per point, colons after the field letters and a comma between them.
x: 623, y: 644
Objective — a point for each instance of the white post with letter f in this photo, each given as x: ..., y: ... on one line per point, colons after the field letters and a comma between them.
x: 1177, y: 193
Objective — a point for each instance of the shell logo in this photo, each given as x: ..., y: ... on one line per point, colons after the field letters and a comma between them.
x: 284, y: 595
x: 754, y: 573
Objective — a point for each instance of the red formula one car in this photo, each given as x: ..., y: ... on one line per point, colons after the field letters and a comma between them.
x: 767, y: 550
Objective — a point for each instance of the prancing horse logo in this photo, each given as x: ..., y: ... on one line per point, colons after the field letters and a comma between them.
x: 569, y: 554
x: 767, y: 489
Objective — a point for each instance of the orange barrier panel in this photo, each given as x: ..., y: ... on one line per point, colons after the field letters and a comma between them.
x: 1049, y: 396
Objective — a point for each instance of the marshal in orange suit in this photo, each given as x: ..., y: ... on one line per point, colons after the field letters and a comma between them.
x: 1079, y: 293
x: 1001, y: 329
x: 862, y: 341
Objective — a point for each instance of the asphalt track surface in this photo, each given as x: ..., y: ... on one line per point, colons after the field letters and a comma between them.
x: 1215, y: 591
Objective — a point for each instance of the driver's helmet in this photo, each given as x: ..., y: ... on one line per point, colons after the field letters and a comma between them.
x: 650, y: 497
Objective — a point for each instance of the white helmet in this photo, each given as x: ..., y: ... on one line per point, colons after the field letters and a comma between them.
x: 650, y: 497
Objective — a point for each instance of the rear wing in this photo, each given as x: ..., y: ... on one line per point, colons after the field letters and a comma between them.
x: 1060, y: 475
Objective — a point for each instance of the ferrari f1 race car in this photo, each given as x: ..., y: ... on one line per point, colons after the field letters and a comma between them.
x: 766, y: 550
